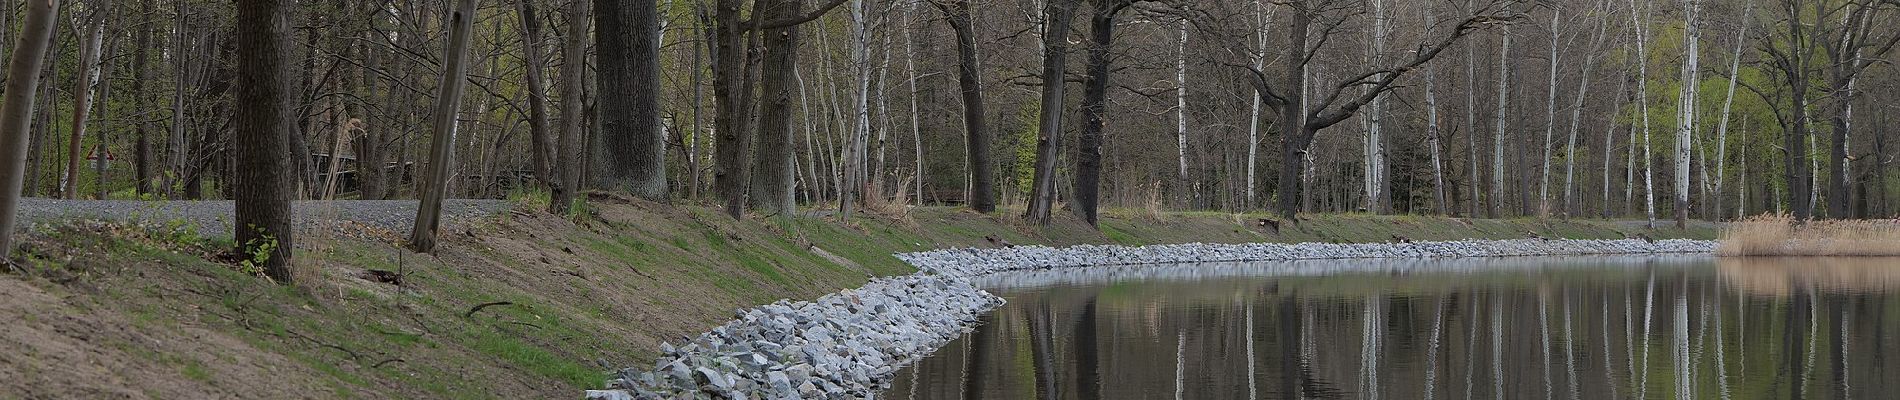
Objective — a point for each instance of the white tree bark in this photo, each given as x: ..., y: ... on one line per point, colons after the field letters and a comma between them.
x: 1375, y: 180
x: 1728, y: 105
x: 1262, y: 18
x: 855, y: 146
x: 1685, y: 109
x: 916, y: 133
x: 1432, y: 144
x: 1576, y: 111
x: 1180, y: 100
x: 1497, y: 141
x: 1642, y: 98
x: 1550, y: 115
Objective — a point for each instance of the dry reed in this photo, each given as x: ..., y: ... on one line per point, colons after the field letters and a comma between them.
x: 1771, y: 235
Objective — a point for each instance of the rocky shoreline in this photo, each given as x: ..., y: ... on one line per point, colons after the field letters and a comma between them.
x: 848, y: 344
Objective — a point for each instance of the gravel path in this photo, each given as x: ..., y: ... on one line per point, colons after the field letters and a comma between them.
x: 213, y: 218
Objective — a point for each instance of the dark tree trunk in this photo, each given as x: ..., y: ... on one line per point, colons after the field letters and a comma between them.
x: 16, y: 109
x: 773, y: 170
x: 732, y: 105
x: 1838, y: 182
x: 262, y: 144
x: 632, y: 152
x: 442, y: 124
x: 1056, y: 16
x: 372, y: 170
x: 541, y: 143
x: 573, y: 63
x: 1294, y: 137
x: 1088, y: 152
x: 142, y: 145
x: 976, y: 130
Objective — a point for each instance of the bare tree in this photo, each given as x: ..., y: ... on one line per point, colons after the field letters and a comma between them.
x: 82, y: 93
x: 976, y: 130
x: 1088, y: 152
x: 1297, y: 138
x: 16, y: 110
x: 264, y: 228
x: 540, y: 140
x: 1686, y: 108
x: 567, y: 165
x: 1057, y: 15
x: 448, y: 101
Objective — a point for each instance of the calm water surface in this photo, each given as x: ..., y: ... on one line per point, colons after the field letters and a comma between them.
x: 1522, y: 328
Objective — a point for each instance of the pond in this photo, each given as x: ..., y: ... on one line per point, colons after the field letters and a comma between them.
x: 1503, y: 328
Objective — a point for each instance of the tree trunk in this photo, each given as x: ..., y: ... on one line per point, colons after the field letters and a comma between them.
x: 1057, y: 14
x: 1294, y: 137
x: 1432, y: 139
x: 1471, y: 126
x: 1642, y: 98
x: 16, y: 110
x: 1088, y: 152
x: 265, y: 186
x: 1576, y: 115
x: 976, y: 130
x: 448, y: 100
x: 567, y: 165
x: 1728, y: 103
x: 82, y: 102
x: 1497, y: 141
x: 632, y: 152
x: 540, y: 140
x: 1686, y: 111
x: 142, y: 145
x: 856, y: 153
x: 732, y: 101
x: 774, y: 169
x: 1377, y: 200
x: 1180, y: 103
x: 1262, y: 19
x: 104, y: 81
x: 1550, y: 116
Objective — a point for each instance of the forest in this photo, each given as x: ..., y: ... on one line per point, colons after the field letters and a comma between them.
x: 1694, y: 109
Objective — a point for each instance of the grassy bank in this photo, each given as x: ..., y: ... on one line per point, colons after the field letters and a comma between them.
x: 526, y: 305
x: 1782, y: 236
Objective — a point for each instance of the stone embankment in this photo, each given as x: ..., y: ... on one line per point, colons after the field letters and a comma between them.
x: 849, y: 344
x: 978, y: 262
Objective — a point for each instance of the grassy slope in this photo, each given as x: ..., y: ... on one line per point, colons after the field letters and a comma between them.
x: 113, y: 311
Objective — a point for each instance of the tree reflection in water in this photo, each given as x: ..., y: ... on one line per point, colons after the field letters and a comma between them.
x: 1527, y: 328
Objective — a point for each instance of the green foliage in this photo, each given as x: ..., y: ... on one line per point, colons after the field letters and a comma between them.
x: 257, y: 252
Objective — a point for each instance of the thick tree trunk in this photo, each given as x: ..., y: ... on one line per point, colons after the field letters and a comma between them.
x: 142, y: 145
x: 448, y: 101
x: 265, y: 187
x: 732, y: 101
x: 1057, y: 14
x: 567, y: 165
x: 632, y: 152
x: 774, y: 168
x: 976, y: 129
x: 1088, y: 152
x: 16, y: 110
x: 1294, y: 136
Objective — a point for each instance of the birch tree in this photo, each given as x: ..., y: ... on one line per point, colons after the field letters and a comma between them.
x: 1432, y: 138
x: 1550, y: 115
x: 1497, y: 140
x: 1686, y: 107
x: 1576, y: 108
x: 1642, y: 99
x: 1728, y: 104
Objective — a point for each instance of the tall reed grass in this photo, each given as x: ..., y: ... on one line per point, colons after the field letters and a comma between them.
x: 1771, y: 235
